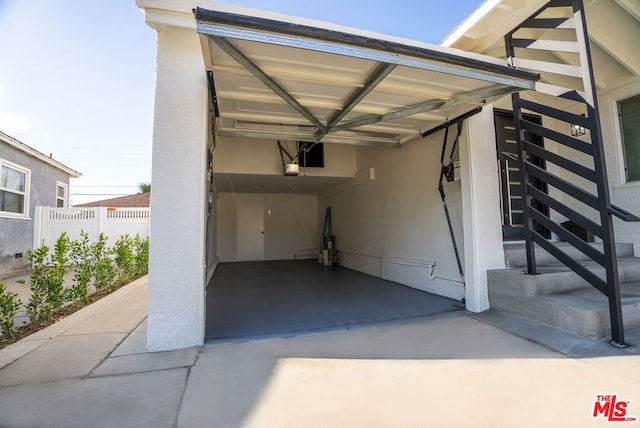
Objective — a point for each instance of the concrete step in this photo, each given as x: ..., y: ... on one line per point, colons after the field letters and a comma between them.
x: 515, y: 255
x: 553, y: 278
x: 581, y: 311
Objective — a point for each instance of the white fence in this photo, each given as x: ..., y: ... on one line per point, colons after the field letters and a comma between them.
x: 50, y: 223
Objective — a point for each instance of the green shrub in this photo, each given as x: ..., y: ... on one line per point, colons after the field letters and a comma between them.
x: 37, y: 284
x: 109, y: 268
x: 58, y: 268
x: 9, y: 305
x: 141, y: 248
x: 105, y: 272
x: 125, y: 259
x: 84, y: 263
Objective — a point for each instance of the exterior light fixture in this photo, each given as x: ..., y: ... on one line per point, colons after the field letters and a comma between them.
x: 577, y: 130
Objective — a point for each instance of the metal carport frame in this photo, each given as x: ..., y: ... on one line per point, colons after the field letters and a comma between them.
x: 455, y: 81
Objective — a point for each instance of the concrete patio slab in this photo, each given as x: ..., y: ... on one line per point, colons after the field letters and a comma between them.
x: 230, y: 380
x: 137, y: 400
x: 125, y: 314
x: 144, y: 362
x: 61, y: 358
x: 559, y: 340
x: 440, y: 393
x: 135, y: 343
x: 19, y: 350
x: 131, y: 299
x: 133, y: 294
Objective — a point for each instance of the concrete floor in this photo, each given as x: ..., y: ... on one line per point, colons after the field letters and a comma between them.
x: 258, y: 299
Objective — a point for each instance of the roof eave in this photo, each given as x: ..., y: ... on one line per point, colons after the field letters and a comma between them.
x: 39, y: 155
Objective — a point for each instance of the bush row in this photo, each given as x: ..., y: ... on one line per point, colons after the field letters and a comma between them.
x: 95, y: 266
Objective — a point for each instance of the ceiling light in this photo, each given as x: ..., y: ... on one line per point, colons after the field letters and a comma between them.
x: 291, y: 169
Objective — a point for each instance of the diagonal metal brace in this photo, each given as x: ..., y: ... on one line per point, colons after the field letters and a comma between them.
x: 236, y: 54
x: 374, y: 80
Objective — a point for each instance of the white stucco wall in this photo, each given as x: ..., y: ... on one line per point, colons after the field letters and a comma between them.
x: 483, y: 247
x: 261, y: 156
x: 389, y: 221
x: 227, y: 225
x: 624, y: 194
x: 177, y: 254
x: 290, y: 225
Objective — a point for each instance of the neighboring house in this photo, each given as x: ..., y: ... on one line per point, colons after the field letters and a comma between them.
x: 139, y: 200
x: 27, y: 178
x: 251, y: 85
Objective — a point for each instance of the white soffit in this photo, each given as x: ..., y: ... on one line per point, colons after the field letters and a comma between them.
x: 284, y: 80
x: 613, y: 27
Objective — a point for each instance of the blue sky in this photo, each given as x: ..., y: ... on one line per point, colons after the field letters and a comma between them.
x: 77, y: 77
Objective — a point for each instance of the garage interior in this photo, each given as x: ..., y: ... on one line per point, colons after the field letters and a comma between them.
x: 372, y: 104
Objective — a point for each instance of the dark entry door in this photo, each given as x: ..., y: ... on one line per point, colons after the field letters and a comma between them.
x: 511, y: 178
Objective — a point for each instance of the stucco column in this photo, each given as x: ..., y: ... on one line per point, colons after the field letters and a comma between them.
x: 483, y: 248
x: 177, y: 255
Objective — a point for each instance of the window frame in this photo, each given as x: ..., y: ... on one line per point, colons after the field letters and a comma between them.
x: 621, y: 135
x: 27, y: 190
x: 65, y: 199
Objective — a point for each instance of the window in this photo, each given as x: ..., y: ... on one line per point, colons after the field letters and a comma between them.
x: 61, y: 195
x: 14, y: 190
x: 629, y: 111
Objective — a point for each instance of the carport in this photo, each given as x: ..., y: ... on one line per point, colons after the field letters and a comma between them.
x: 290, y: 82
x: 296, y: 80
x: 369, y: 99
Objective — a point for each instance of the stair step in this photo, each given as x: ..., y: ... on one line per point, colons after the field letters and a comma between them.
x: 515, y: 254
x: 554, y: 278
x: 581, y: 311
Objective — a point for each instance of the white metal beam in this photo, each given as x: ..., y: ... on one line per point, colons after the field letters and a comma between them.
x: 264, y: 78
x: 430, y: 105
x: 225, y: 32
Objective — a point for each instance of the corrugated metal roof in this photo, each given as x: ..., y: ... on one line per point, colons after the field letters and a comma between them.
x: 285, y: 80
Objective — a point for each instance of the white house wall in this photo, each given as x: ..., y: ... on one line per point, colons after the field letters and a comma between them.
x: 177, y: 261
x: 389, y: 222
x: 290, y: 225
x: 262, y: 157
x: 226, y: 229
x: 623, y: 194
x: 483, y: 246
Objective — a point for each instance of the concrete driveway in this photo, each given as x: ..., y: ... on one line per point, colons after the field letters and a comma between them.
x: 452, y: 369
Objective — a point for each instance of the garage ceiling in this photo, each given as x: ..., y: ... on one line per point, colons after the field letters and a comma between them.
x: 286, y: 78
